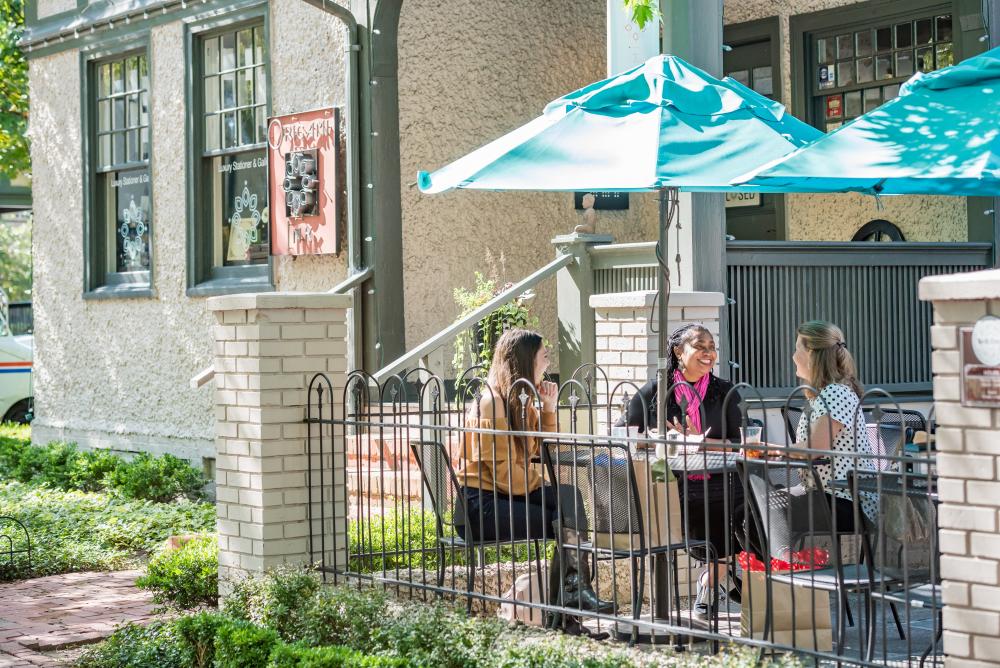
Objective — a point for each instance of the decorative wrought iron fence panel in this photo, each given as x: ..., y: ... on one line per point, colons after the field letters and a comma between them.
x: 870, y: 290
x: 399, y: 480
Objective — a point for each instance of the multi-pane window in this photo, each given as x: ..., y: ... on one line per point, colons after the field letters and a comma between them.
x: 234, y: 160
x: 855, y: 71
x: 122, y: 189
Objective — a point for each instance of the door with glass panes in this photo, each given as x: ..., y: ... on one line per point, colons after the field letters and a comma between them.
x: 855, y: 69
x: 749, y: 61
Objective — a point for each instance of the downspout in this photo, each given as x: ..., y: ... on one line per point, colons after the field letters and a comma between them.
x: 354, y: 260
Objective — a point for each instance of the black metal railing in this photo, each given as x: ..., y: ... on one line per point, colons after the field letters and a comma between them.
x: 828, y: 554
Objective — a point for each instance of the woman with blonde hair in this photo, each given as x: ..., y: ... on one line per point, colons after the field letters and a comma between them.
x: 836, y: 421
x: 505, y: 497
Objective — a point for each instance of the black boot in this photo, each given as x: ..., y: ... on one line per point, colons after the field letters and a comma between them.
x: 576, y: 589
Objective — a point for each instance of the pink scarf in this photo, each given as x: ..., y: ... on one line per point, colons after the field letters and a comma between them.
x: 683, y: 392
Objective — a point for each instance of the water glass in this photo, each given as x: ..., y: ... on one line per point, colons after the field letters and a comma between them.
x: 750, y: 435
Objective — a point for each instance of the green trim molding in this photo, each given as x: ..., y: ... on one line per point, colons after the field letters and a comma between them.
x: 204, y: 279
x: 95, y: 285
x: 15, y: 195
x: 94, y: 22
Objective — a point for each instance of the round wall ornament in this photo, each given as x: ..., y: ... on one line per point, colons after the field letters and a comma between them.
x: 986, y: 340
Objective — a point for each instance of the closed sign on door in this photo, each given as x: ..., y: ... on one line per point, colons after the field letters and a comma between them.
x: 737, y: 200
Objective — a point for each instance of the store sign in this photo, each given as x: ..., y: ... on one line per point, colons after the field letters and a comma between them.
x: 739, y: 200
x: 979, y: 348
x: 603, y: 201
x: 302, y: 182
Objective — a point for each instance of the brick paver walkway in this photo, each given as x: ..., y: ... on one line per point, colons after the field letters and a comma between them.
x: 61, y: 611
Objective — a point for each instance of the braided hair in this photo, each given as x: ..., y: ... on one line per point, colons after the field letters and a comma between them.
x: 678, y: 338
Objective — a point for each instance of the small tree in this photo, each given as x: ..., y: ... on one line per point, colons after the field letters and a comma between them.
x: 15, y: 260
x: 15, y: 158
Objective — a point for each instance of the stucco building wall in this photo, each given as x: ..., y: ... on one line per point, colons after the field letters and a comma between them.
x: 467, y: 77
x: 115, y: 373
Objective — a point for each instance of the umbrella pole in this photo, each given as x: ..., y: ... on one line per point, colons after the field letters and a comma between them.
x: 668, y: 209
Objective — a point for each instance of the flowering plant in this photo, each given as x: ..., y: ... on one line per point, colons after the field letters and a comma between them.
x: 801, y: 560
x: 480, y: 339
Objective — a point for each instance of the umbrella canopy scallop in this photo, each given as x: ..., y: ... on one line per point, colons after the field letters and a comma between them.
x: 662, y: 124
x: 940, y: 136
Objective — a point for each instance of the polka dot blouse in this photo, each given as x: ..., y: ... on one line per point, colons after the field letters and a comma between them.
x: 841, y: 404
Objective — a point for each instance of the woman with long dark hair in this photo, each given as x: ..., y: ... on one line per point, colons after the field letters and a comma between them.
x: 697, y: 405
x: 505, y: 495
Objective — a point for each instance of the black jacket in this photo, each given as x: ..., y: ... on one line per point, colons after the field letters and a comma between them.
x: 715, y: 396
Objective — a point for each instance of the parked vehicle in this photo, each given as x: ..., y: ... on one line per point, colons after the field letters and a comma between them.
x: 16, y: 354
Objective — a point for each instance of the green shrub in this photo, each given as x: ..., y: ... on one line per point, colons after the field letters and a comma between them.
x: 63, y: 466
x: 185, y: 577
x: 158, y: 479
x: 89, y: 470
x: 239, y: 644
x: 78, y: 531
x: 408, y: 539
x: 155, y: 646
x: 14, y: 440
x: 343, y: 616
x: 301, y: 656
x: 436, y: 635
x: 277, y: 599
x: 198, y: 633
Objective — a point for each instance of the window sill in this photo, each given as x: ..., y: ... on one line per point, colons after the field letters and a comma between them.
x: 231, y: 285
x: 121, y: 291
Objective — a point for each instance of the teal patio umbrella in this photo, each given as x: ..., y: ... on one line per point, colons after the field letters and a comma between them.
x: 664, y: 125
x: 941, y: 136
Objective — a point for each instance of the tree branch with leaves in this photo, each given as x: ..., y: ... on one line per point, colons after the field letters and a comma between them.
x: 15, y: 158
x: 643, y: 11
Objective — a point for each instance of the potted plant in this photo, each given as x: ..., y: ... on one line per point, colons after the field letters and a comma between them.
x: 475, y: 345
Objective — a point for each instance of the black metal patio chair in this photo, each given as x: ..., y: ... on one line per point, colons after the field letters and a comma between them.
x: 605, y: 475
x: 912, y: 587
x: 793, y: 514
x: 441, y: 484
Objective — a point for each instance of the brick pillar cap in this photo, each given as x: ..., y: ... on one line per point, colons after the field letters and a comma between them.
x: 970, y: 286
x: 279, y: 300
x: 644, y: 299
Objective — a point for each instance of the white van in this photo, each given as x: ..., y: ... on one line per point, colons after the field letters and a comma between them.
x: 16, y: 402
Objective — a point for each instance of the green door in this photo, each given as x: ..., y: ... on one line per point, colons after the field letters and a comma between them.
x: 757, y: 218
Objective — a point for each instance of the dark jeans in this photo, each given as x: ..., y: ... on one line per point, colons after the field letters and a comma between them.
x: 704, y: 504
x: 493, y: 516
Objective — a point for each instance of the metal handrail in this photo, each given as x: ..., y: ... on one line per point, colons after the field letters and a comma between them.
x: 345, y: 286
x: 451, y: 331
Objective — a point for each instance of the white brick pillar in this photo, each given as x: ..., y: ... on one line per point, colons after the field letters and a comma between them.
x: 268, y: 347
x: 968, y: 444
x: 627, y: 346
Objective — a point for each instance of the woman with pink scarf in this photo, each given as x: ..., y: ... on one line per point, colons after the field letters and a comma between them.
x: 696, y: 406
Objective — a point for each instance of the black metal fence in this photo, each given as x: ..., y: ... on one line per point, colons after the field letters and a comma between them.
x: 784, y: 544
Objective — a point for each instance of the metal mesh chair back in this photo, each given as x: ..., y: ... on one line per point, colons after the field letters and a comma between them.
x: 885, y: 440
x: 606, y: 480
x: 439, y: 478
x: 792, y: 516
x: 908, y: 422
x: 792, y: 415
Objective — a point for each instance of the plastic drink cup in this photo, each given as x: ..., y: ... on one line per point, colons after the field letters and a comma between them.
x: 751, y: 436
